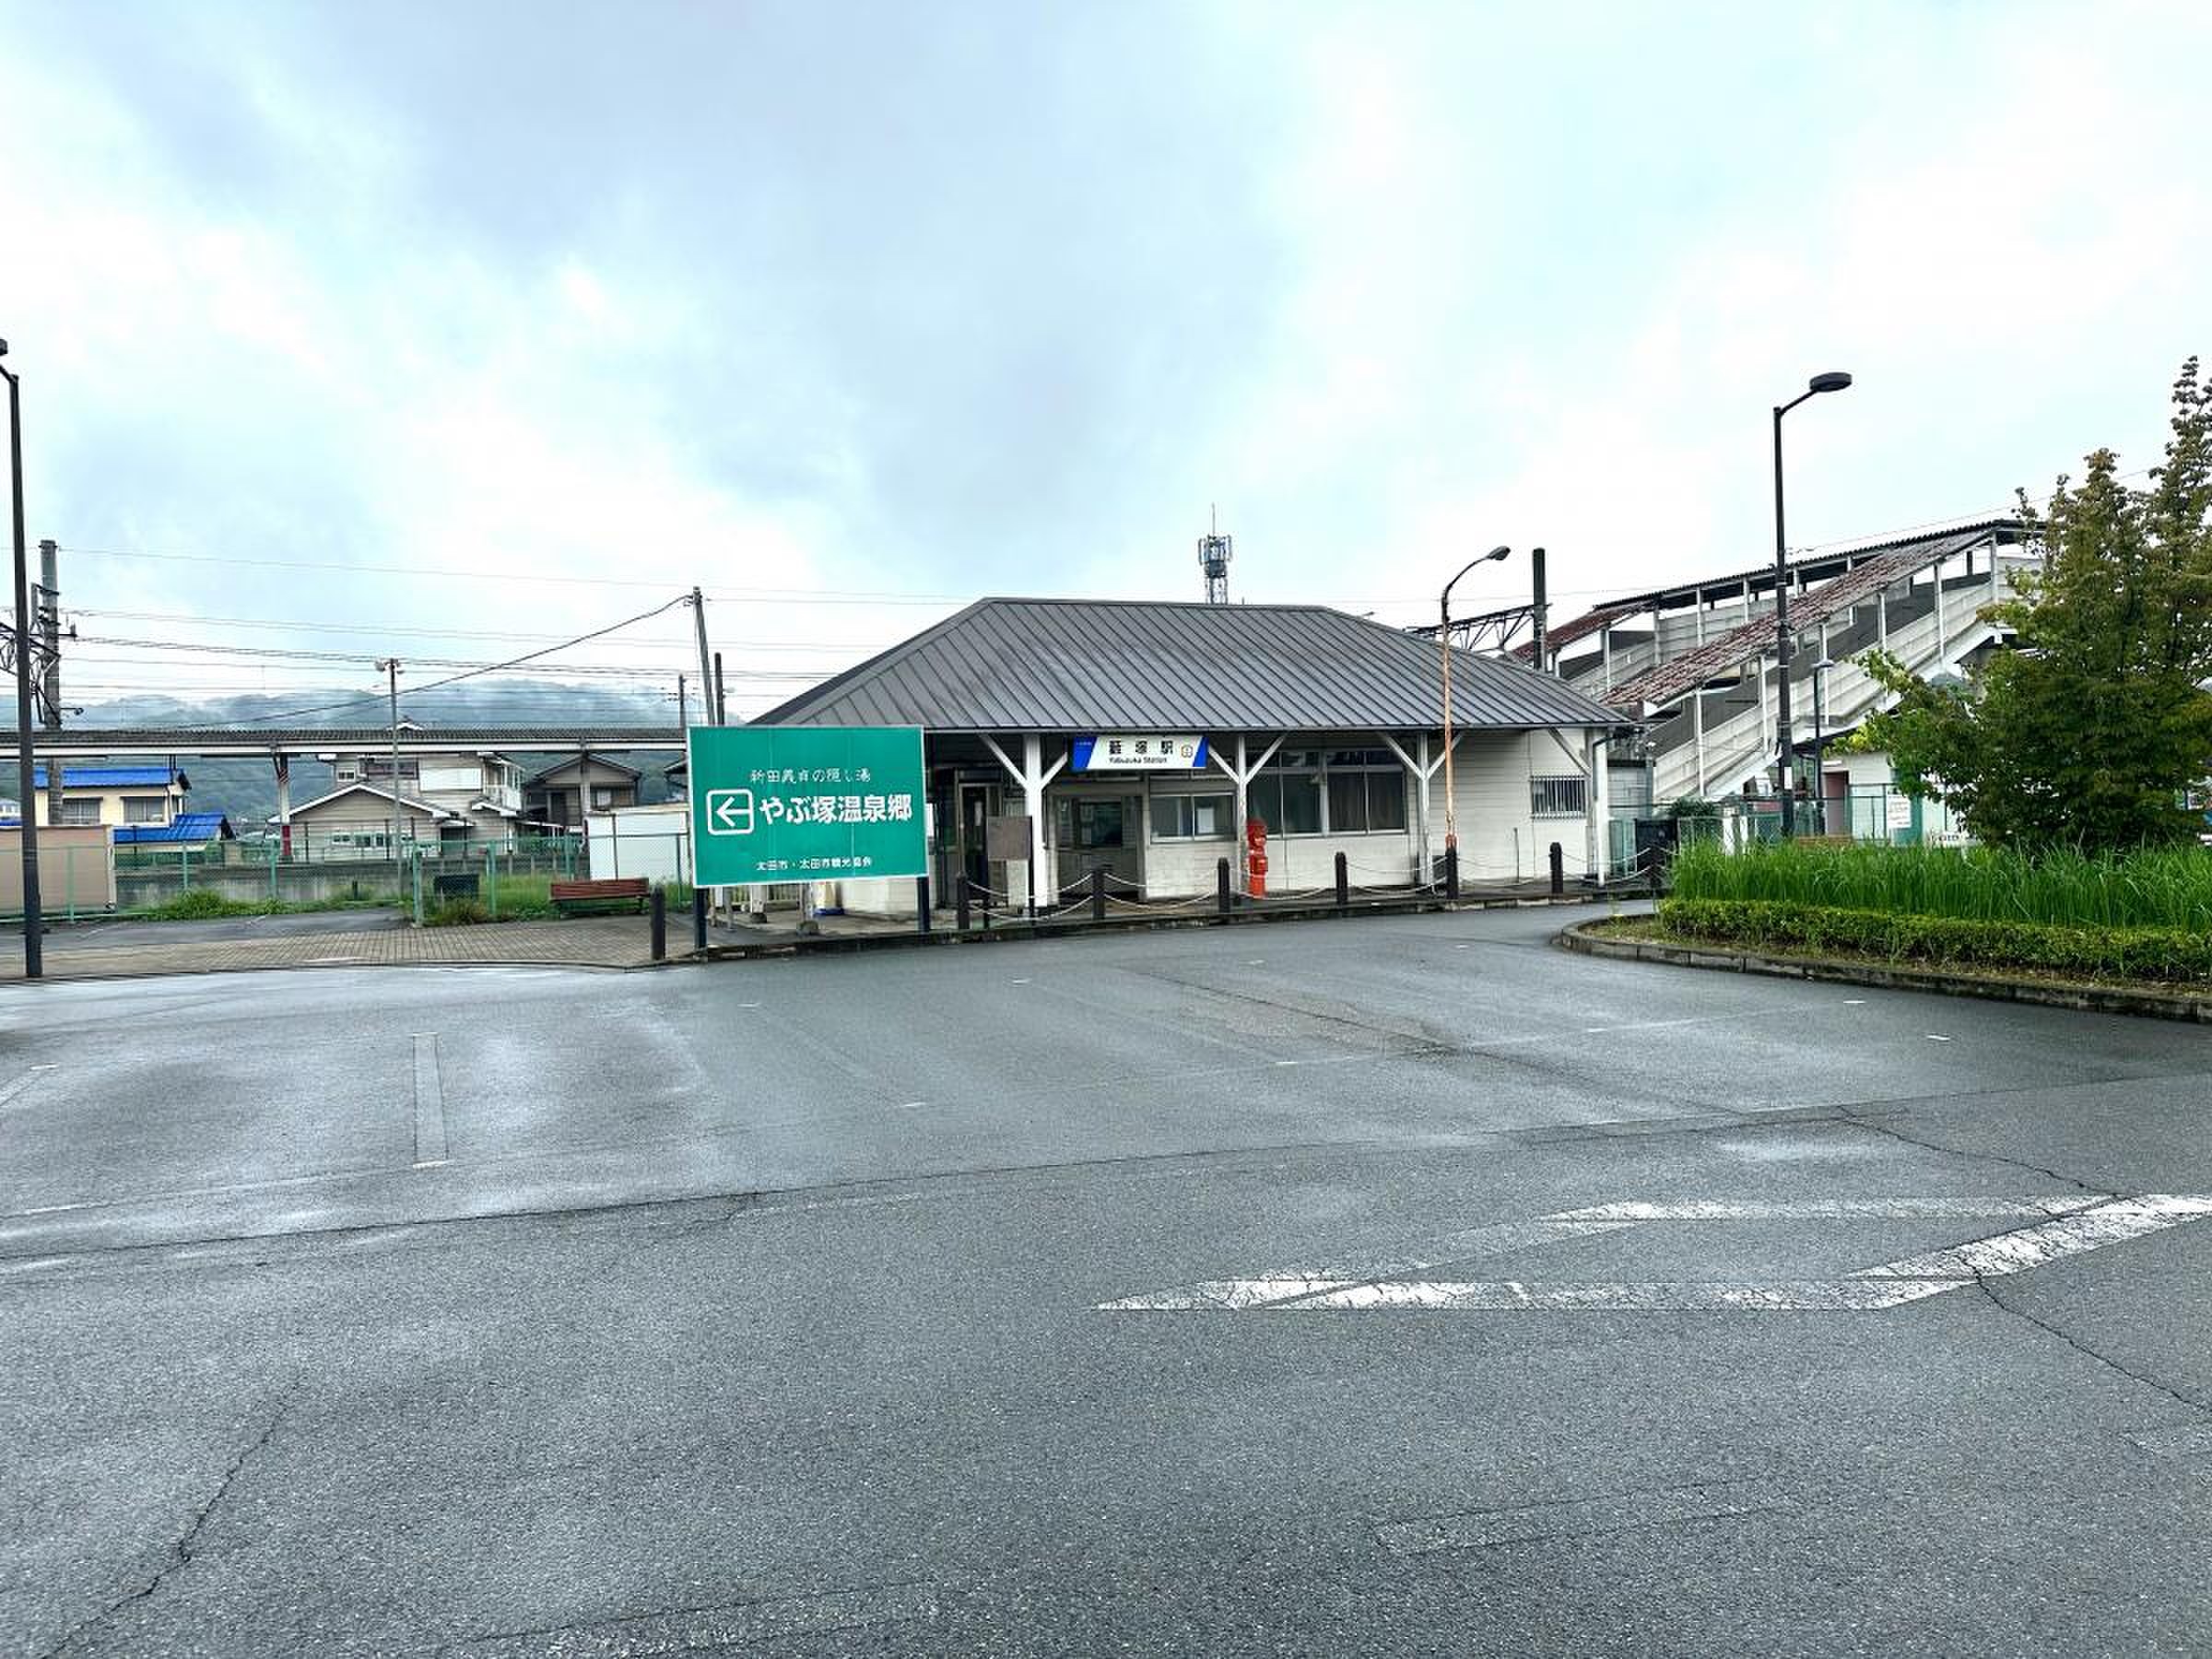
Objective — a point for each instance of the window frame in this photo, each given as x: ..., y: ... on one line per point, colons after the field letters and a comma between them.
x: 1550, y: 787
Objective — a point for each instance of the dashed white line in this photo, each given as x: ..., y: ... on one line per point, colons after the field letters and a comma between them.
x: 1934, y: 1037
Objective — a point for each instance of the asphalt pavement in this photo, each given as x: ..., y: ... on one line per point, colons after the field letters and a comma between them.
x: 1395, y: 1286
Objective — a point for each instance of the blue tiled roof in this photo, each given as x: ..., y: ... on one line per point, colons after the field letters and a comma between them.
x: 192, y: 828
x: 111, y: 777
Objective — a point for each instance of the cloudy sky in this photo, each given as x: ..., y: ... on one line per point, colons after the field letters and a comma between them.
x: 850, y: 312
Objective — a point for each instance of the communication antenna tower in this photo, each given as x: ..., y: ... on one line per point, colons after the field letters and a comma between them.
x: 1214, y: 553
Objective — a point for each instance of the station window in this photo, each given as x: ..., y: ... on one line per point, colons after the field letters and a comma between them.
x: 1558, y: 797
x: 143, y: 809
x: 78, y: 810
x: 1286, y: 799
x: 1193, y: 817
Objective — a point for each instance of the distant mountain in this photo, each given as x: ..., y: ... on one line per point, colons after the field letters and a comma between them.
x: 245, y: 789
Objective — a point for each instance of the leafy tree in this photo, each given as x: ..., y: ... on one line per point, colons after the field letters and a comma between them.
x: 2089, y: 732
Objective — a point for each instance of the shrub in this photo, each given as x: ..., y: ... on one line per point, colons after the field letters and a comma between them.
x: 458, y: 913
x: 205, y: 904
x: 2160, y: 888
x: 2141, y: 953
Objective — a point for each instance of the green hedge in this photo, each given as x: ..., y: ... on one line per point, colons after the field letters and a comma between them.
x: 2135, y: 953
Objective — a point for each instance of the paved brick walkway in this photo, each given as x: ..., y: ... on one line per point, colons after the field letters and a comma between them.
x: 600, y: 942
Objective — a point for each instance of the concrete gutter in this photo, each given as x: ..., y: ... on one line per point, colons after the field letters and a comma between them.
x: 1009, y: 932
x: 1585, y: 937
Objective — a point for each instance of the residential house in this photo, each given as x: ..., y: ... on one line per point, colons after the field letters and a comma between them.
x: 560, y: 795
x: 117, y: 795
x: 453, y: 803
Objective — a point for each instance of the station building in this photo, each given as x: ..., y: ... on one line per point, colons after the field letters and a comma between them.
x: 1141, y: 736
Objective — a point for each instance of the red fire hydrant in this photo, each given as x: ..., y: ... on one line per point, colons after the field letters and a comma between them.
x: 1255, y: 857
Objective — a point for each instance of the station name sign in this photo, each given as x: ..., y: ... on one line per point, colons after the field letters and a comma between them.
x: 775, y: 803
x: 1137, y: 751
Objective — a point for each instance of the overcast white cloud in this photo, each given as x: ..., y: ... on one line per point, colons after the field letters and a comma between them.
x: 998, y: 298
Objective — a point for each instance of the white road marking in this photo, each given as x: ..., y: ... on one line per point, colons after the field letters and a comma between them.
x: 1021, y: 982
x: 1223, y: 1294
x: 8, y: 1092
x: 430, y: 1103
x: 1282, y: 1063
x: 1967, y: 1208
x: 1855, y: 1002
x: 1685, y: 1296
x: 2064, y: 1224
x: 908, y: 1105
x: 749, y: 1005
x: 1932, y: 1038
x: 1496, y: 1240
x: 1481, y: 1528
x: 2034, y: 1246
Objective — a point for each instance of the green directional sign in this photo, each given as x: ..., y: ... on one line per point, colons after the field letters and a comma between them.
x: 806, y: 803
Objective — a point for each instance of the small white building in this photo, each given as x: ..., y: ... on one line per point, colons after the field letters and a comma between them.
x: 1322, y: 729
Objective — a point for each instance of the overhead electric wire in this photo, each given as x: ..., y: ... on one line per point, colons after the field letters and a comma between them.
x: 472, y: 674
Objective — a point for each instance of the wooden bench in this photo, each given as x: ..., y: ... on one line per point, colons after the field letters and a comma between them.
x: 568, y: 897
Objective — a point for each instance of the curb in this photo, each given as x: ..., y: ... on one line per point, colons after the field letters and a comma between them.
x: 2048, y: 994
x: 1010, y: 933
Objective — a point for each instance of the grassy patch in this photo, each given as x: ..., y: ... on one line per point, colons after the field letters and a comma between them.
x: 2170, y: 889
x: 2153, y: 955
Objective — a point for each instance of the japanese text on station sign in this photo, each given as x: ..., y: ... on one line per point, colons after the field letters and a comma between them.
x: 796, y: 803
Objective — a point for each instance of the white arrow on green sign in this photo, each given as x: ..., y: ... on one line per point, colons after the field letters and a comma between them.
x: 806, y: 803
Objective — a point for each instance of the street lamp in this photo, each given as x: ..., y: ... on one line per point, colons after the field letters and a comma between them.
x: 1821, y: 670
x: 1444, y: 642
x: 27, y: 816
x: 1833, y: 381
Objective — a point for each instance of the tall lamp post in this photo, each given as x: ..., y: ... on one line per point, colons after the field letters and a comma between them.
x: 1443, y: 642
x: 1821, y: 670
x: 27, y: 816
x: 1783, y: 758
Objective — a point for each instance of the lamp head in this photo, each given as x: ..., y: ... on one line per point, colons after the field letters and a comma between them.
x: 1833, y: 381
x: 1495, y: 554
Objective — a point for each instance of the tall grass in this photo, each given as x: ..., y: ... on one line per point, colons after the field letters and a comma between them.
x: 2171, y: 888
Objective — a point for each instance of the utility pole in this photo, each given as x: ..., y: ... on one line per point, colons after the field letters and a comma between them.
x: 49, y: 607
x: 706, y: 665
x: 683, y: 708
x: 27, y: 816
x: 722, y: 702
x: 1540, y: 612
x: 399, y: 863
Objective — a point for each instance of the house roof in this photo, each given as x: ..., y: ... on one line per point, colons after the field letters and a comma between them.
x: 190, y: 828
x: 1104, y: 664
x: 575, y: 762
x: 112, y: 777
x: 429, y: 808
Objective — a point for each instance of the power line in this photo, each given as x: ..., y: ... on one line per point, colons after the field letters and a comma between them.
x: 472, y: 674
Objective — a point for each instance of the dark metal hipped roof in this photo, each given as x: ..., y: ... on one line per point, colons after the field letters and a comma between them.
x: 1114, y: 664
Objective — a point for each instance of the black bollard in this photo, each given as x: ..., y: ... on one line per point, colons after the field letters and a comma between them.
x: 921, y: 905
x: 660, y: 924
x: 1559, y: 871
x: 1222, y: 893
x: 959, y: 903
x: 1097, y: 892
x: 1344, y: 885
x: 698, y: 918
x: 1452, y: 874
